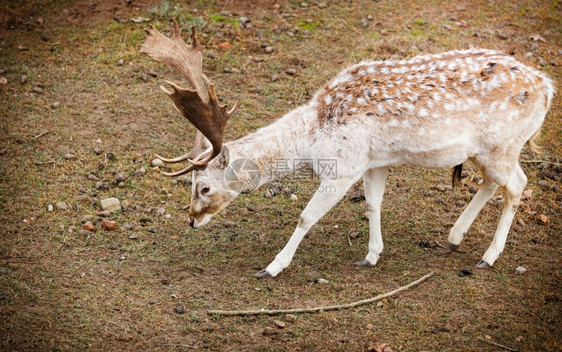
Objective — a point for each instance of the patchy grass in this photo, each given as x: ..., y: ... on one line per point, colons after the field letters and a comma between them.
x: 61, y: 289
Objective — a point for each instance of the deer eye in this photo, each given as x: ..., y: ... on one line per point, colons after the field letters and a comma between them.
x: 205, y: 190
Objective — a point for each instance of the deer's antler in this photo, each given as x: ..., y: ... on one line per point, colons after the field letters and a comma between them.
x: 206, y: 114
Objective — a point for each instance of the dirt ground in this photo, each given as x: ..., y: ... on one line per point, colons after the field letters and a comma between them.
x: 81, y: 117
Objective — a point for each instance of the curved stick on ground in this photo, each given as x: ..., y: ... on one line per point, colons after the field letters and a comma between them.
x: 321, y: 309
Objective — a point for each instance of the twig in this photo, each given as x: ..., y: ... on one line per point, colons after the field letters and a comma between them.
x: 349, y: 239
x: 194, y: 347
x: 442, y: 246
x: 45, y: 162
x: 541, y: 161
x: 320, y: 309
x: 41, y: 134
x: 123, y: 45
x: 497, y: 344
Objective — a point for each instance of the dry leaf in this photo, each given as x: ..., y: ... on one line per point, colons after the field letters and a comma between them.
x: 543, y: 219
x: 527, y: 194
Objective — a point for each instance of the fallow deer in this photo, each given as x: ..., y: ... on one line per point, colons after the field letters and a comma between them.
x: 433, y: 111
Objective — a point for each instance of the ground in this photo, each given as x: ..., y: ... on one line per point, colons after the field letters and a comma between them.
x: 81, y: 111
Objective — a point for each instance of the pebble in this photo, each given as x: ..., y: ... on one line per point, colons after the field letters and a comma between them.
x: 102, y: 185
x: 108, y: 225
x: 87, y: 218
x: 157, y: 162
x: 3, y: 80
x: 167, y: 216
x: 178, y: 309
x: 244, y: 20
x: 84, y: 232
x: 69, y: 156
x: 280, y: 324
x: 294, y: 197
x: 543, y: 219
x: 473, y: 189
x: 268, y: 194
x: 151, y: 229
x: 465, y: 272
x: 92, y: 177
x: 23, y: 79
x: 520, y: 270
x: 322, y: 281
x: 268, y: 49
x: 152, y: 73
x: 120, y: 62
x: 50, y: 208
x: 269, y: 331
x: 62, y: 205
x: 111, y: 204
x: 291, y: 71
x: 37, y: 90
x: 104, y: 214
x: 120, y: 177
x: 88, y: 226
x: 229, y: 223
x: 133, y: 237
x: 140, y: 172
x: 160, y: 211
x: 274, y: 78
x: 322, y: 5
x: 251, y: 208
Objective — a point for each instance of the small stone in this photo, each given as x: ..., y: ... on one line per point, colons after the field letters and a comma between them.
x: 140, y: 172
x: 104, y: 214
x: 152, y: 73
x: 280, y: 324
x: 102, y: 185
x: 62, y: 205
x: 543, y: 219
x: 322, y: 281
x: 167, y: 216
x: 294, y: 197
x: 157, y: 162
x: 269, y: 331
x: 291, y: 71
x: 244, y: 20
x: 366, y: 215
x: 370, y: 326
x: 144, y: 78
x: 251, y: 208
x: 37, y: 90
x: 50, y: 208
x: 268, y: 194
x: 502, y: 35
x: 88, y: 226
x: 108, y: 225
x: 229, y: 223
x: 488, y: 337
x: 3, y: 80
x: 473, y: 189
x: 322, y: 5
x: 87, y: 218
x: 274, y: 78
x: 23, y: 79
x: 22, y: 48
x: 178, y: 309
x: 69, y: 156
x: 120, y: 177
x: 133, y: 237
x: 123, y: 257
x: 224, y: 46
x: 111, y: 204
x: 160, y: 211
x: 465, y: 272
x: 151, y: 229
x: 120, y: 62
x: 97, y: 150
x: 520, y: 270
x: 268, y: 49
x: 83, y: 232
x: 92, y: 177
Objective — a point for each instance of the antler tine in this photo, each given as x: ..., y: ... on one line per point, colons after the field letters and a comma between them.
x: 184, y: 171
x: 207, y: 115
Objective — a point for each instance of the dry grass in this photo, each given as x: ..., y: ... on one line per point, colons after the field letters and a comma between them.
x: 63, y: 290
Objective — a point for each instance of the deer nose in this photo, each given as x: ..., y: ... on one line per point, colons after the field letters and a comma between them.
x: 192, y: 223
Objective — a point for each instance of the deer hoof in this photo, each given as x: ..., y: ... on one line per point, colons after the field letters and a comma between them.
x: 452, y: 247
x: 262, y: 274
x: 483, y: 265
x: 364, y: 263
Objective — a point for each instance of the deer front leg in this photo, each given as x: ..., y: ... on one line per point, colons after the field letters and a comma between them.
x: 374, y: 180
x: 326, y: 196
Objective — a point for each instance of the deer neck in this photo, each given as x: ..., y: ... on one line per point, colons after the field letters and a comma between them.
x: 280, y: 148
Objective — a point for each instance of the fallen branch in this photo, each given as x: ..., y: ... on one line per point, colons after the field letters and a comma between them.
x: 320, y: 309
x: 497, y: 344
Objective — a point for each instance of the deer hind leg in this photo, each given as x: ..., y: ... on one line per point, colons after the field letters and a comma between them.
x: 459, y: 230
x: 374, y: 180
x: 326, y: 196
x: 514, y: 188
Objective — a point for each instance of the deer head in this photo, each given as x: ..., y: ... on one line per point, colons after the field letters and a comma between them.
x: 210, y: 192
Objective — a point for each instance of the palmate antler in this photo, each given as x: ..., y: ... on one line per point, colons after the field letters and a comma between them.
x: 207, y: 115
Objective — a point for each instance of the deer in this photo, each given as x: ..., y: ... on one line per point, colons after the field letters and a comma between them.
x: 431, y: 111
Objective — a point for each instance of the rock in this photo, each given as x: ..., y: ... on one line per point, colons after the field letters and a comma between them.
x: 83, y: 232
x: 167, y: 216
x: 465, y: 272
x: 92, y: 177
x: 108, y: 225
x: 251, y: 208
x: 322, y: 5
x: 473, y: 189
x: 268, y: 49
x: 160, y: 211
x: 120, y: 62
x: 88, y: 226
x: 23, y: 79
x: 322, y: 281
x: 97, y: 150
x: 144, y: 78
x: 520, y: 270
x: 50, y: 208
x: 229, y: 224
x: 294, y: 197
x: 291, y: 71
x: 370, y: 326
x: 133, y: 237
x: 120, y: 177
x: 102, y: 185
x: 178, y: 309
x: 111, y: 204
x: 244, y: 20
x: 157, y: 162
x: 274, y: 78
x: 151, y: 229
x: 37, y: 90
x: 268, y: 194
x: 3, y: 80
x: 441, y: 188
x: 104, y: 214
x: 269, y: 331
x: 224, y: 46
x: 87, y: 218
x: 280, y: 324
x: 152, y: 73
x: 62, y: 205
x: 140, y: 172
x: 22, y: 48
x: 69, y: 156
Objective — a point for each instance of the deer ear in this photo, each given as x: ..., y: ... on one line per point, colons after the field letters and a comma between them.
x: 223, y: 157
